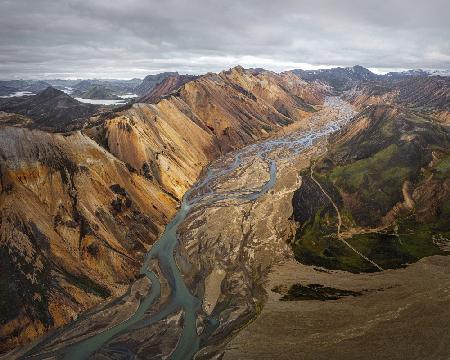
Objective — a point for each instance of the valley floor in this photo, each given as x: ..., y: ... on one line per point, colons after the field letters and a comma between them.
x: 401, y: 314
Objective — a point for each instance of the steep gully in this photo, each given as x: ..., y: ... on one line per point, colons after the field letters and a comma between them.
x: 164, y: 251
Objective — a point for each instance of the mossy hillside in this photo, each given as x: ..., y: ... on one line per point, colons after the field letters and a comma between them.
x: 404, y: 242
x: 328, y: 252
x: 441, y: 170
x: 377, y: 181
x: 366, y: 175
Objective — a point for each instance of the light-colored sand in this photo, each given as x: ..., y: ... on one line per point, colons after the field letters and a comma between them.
x: 212, y: 289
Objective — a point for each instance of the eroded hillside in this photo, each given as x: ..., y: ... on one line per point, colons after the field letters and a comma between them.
x: 387, y: 173
x: 80, y: 209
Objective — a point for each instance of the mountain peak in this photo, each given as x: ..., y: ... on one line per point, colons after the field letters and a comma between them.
x: 361, y: 70
x: 238, y: 68
x: 150, y: 81
x: 161, y: 75
x: 51, y: 92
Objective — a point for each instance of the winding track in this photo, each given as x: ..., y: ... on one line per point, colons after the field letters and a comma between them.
x: 338, y: 232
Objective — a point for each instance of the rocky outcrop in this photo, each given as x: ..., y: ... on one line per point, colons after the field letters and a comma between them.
x: 427, y: 95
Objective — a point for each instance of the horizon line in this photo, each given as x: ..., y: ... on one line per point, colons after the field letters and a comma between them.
x: 308, y: 67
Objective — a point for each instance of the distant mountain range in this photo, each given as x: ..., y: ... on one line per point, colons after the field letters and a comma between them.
x: 345, y: 78
x: 51, y: 109
x: 9, y: 87
x: 54, y: 109
x: 96, y: 92
x: 341, y: 78
x: 115, y: 86
x: 151, y: 81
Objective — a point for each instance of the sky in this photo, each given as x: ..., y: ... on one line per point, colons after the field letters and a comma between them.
x: 133, y: 38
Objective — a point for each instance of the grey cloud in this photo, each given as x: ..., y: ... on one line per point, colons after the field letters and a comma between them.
x: 128, y: 38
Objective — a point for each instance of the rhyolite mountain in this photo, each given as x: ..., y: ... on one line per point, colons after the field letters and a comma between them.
x: 427, y: 95
x: 80, y: 209
x: 165, y: 87
x: 150, y: 81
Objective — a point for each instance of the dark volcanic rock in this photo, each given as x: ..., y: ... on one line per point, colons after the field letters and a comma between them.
x: 51, y: 109
x: 298, y: 292
x: 339, y: 78
x: 98, y: 92
x: 8, y: 87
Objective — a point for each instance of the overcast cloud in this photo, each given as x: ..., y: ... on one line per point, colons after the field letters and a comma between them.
x: 133, y: 38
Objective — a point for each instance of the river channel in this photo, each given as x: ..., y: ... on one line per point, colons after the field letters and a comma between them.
x: 181, y: 299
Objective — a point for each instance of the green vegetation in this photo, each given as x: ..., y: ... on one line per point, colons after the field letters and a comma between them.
x: 442, y: 168
x: 317, y: 244
x: 299, y: 292
x: 351, y: 177
x: 365, y: 176
x: 312, y: 248
x: 377, y: 181
x: 391, y: 249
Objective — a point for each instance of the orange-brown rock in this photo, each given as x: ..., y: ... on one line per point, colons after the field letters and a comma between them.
x: 79, y: 210
x: 166, y: 87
